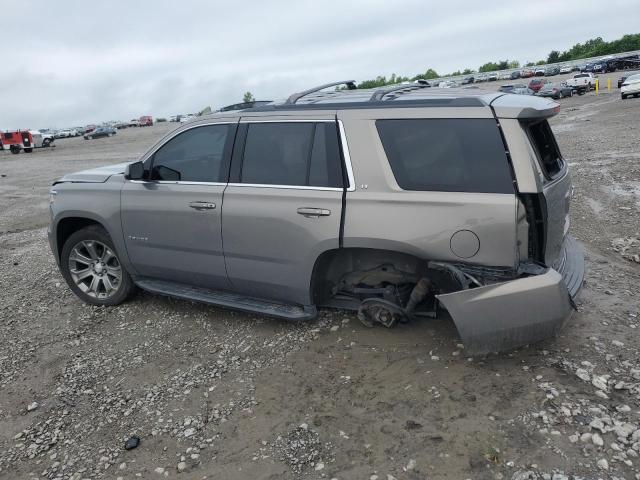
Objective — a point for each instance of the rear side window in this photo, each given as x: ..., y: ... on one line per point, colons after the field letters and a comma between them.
x: 546, y: 147
x: 292, y: 153
x: 192, y: 156
x: 446, y: 155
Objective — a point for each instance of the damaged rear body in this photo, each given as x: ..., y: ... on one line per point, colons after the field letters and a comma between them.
x: 489, y: 245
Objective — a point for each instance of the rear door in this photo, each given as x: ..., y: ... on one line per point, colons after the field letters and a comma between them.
x: 283, y: 205
x: 172, y: 220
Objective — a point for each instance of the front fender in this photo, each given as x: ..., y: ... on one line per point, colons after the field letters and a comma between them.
x: 98, y: 202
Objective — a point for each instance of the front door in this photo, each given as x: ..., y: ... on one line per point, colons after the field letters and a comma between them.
x: 172, y: 221
x: 283, y: 205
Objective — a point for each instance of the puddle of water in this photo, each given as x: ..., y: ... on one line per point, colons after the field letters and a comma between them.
x: 565, y: 127
x: 631, y: 189
x: 595, y: 205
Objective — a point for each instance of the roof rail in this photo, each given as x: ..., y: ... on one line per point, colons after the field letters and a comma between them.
x: 244, y: 105
x: 382, y: 92
x: 351, y: 85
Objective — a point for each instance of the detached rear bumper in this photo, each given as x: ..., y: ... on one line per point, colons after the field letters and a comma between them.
x: 515, y: 313
x: 570, y: 265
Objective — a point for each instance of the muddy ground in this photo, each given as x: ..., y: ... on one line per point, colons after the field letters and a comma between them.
x: 222, y: 395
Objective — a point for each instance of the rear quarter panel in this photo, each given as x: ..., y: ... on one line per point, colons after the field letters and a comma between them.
x: 379, y: 214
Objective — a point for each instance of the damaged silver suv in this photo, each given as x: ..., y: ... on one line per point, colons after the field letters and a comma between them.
x: 400, y: 203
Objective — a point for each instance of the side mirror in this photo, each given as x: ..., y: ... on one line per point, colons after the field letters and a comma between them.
x: 134, y: 171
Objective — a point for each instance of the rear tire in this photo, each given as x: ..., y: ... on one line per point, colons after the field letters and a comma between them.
x: 91, y: 267
x: 624, y: 97
x: 14, y: 149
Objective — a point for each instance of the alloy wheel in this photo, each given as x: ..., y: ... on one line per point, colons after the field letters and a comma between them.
x: 95, y: 269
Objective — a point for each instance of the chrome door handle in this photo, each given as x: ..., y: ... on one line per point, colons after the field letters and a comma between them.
x: 314, y: 212
x: 202, y: 205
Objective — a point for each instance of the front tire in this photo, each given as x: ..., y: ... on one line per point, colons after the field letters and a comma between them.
x: 91, y: 267
x: 624, y: 97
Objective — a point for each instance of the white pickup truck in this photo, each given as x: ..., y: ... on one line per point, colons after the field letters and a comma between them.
x: 582, y: 82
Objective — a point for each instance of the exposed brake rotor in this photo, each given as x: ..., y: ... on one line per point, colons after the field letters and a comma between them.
x: 378, y: 310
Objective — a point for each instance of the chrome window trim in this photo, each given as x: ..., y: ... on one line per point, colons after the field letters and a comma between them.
x: 177, y: 182
x: 347, y: 157
x: 290, y: 187
x: 292, y: 120
x: 345, y: 151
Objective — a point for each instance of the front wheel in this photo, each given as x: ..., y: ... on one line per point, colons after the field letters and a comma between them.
x: 91, y: 267
x: 624, y: 97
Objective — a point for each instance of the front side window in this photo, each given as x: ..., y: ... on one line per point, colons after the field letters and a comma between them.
x: 192, y: 156
x: 446, y: 155
x: 544, y: 143
x: 292, y: 153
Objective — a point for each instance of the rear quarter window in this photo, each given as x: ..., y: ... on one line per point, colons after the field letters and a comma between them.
x: 546, y: 148
x: 446, y: 155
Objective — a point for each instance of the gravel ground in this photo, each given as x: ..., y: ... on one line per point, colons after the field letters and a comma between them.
x: 216, y: 394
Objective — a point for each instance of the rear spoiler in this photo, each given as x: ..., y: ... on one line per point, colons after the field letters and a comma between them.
x: 524, y: 106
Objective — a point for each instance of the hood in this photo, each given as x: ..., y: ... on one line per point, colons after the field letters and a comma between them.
x: 94, y: 175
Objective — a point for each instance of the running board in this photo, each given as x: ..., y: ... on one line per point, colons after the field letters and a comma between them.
x: 228, y: 300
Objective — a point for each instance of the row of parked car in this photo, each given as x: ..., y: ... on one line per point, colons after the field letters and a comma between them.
x: 26, y: 140
x: 602, y: 66
x: 539, y: 87
x: 144, y: 121
x: 580, y: 83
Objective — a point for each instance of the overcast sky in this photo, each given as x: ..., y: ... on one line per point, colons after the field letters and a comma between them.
x: 69, y: 63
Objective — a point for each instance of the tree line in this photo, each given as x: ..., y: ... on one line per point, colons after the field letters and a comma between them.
x: 591, y: 48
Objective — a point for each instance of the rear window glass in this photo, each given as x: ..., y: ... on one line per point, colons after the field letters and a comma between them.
x: 447, y: 155
x: 544, y: 142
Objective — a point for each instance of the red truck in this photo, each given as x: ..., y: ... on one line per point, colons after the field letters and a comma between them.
x: 17, y: 140
x: 146, y: 121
